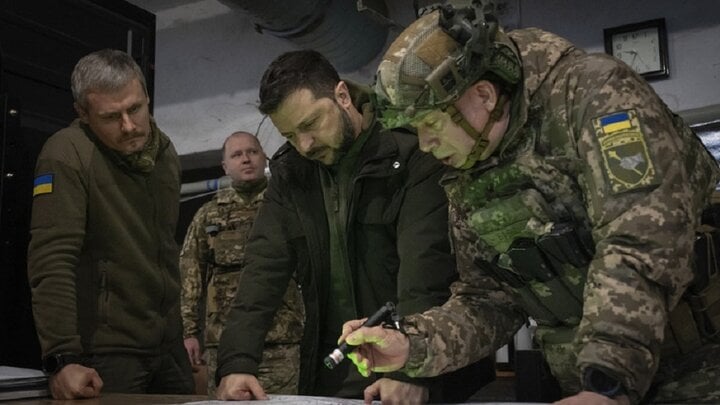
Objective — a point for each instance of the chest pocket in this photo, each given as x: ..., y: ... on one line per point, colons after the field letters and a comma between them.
x: 229, y: 245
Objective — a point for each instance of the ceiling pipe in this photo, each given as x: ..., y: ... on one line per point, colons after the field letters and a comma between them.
x: 210, y: 185
x: 348, y: 38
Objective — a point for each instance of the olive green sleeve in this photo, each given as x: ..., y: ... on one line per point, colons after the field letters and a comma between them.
x: 57, y: 233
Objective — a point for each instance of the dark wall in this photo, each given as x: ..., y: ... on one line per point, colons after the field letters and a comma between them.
x: 40, y: 42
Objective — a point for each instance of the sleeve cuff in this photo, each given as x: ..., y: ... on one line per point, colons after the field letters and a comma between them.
x: 418, y: 349
x: 238, y: 365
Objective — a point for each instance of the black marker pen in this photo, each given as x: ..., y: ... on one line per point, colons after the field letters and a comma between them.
x: 338, y: 355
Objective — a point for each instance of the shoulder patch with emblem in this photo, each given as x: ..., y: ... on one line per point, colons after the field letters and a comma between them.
x: 43, y: 184
x: 626, y: 158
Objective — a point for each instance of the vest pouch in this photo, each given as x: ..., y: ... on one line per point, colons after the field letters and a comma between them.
x: 229, y: 250
x: 566, y: 245
x: 495, y: 181
x: 545, y: 284
x: 557, y: 346
x: 558, y: 300
x: 502, y: 220
x: 570, y: 253
x: 501, y: 270
x: 573, y: 279
x: 534, y: 307
x: 519, y: 286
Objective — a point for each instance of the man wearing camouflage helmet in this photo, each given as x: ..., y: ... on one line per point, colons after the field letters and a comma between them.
x: 577, y: 202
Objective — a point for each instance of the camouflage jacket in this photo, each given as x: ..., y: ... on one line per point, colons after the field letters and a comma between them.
x: 600, y: 149
x: 211, y: 260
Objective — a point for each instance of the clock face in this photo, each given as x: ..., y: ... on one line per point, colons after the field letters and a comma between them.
x: 639, y: 49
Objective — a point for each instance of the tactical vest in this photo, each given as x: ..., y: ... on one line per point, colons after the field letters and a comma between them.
x: 228, y: 230
x: 227, y: 234
x: 537, y: 243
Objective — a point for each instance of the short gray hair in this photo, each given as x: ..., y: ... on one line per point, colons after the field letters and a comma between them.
x: 104, y: 70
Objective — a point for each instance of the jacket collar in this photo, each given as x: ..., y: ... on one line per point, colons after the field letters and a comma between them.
x: 230, y: 195
x: 538, y: 51
x: 376, y: 159
x: 157, y: 136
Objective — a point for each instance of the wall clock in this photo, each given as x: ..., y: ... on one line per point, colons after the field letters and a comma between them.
x: 643, y: 46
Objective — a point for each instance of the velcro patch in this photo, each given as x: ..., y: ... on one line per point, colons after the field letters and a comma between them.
x: 627, y: 161
x: 43, y: 184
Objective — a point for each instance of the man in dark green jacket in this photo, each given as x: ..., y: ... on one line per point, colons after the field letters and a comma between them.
x: 359, y: 216
x: 102, y: 261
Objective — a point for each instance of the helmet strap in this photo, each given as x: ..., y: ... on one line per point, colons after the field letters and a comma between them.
x: 481, y: 138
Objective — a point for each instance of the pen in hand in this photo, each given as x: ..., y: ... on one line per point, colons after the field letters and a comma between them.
x: 385, y: 313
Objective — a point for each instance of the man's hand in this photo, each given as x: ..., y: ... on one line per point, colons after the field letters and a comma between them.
x: 242, y: 387
x: 393, y: 392
x: 75, y: 381
x: 379, y: 349
x: 192, y: 346
x: 592, y: 398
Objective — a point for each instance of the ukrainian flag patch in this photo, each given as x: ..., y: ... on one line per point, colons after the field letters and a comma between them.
x: 615, y: 122
x: 43, y: 184
x: 626, y: 158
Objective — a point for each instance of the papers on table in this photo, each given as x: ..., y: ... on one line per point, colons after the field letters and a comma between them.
x: 18, y: 382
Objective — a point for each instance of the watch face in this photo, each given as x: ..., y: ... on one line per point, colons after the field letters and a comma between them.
x: 54, y: 363
x: 639, y: 49
x: 596, y: 380
x: 51, y: 363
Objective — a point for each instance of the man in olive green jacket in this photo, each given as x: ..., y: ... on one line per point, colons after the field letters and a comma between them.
x: 102, y: 261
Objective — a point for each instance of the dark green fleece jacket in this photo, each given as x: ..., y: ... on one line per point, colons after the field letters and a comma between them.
x: 102, y: 261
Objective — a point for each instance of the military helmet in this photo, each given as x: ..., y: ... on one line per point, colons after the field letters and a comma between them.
x: 435, y: 59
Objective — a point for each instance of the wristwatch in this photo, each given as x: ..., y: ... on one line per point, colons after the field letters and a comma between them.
x: 598, y: 381
x: 55, y: 362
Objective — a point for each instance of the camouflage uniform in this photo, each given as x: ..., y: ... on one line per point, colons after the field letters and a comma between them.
x: 590, y: 148
x: 211, y: 262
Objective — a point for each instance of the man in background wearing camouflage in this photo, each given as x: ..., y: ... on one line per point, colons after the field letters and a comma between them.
x: 212, y: 259
x: 577, y: 202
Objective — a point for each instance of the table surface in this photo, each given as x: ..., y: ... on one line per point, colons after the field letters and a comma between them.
x: 145, y: 399
x: 112, y: 399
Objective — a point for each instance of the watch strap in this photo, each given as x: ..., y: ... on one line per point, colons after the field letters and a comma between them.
x: 55, y: 362
x: 601, y: 382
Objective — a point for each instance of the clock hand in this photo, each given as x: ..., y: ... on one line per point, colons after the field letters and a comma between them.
x: 635, y: 55
x: 641, y: 60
